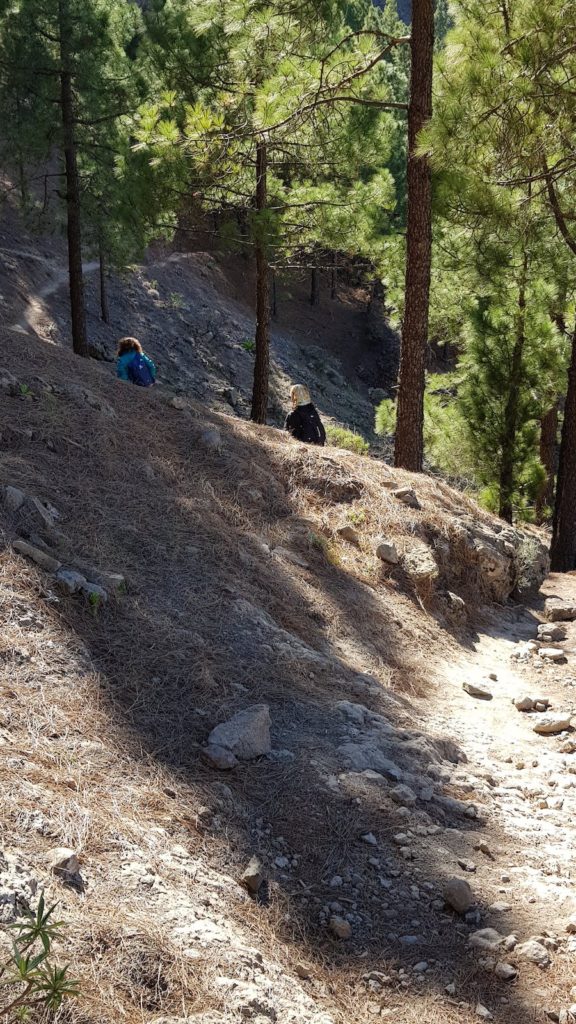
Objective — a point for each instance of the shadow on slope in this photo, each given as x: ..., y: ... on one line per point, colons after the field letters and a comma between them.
x: 214, y: 622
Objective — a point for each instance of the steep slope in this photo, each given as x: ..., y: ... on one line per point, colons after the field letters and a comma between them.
x: 193, y: 313
x: 220, y: 566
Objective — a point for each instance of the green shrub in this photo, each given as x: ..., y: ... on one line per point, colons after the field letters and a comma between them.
x: 29, y: 980
x: 249, y: 345
x: 340, y: 437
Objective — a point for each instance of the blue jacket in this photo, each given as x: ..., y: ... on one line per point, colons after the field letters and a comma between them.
x: 123, y: 362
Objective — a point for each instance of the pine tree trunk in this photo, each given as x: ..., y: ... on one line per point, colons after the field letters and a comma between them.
x: 548, y: 458
x: 510, y: 426
x: 314, y: 287
x: 74, y: 232
x: 334, y: 277
x: 274, y: 306
x: 409, y: 445
x: 259, y: 409
x: 104, y: 310
x: 563, y: 551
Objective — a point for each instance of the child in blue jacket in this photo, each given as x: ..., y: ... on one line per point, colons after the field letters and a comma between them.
x: 133, y: 364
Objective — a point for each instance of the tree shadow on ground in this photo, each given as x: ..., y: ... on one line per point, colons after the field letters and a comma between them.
x: 214, y: 622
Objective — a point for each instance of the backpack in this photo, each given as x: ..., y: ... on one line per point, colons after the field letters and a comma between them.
x: 139, y: 372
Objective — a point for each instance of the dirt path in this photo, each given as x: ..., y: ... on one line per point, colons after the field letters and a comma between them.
x: 525, y: 788
x: 35, y: 317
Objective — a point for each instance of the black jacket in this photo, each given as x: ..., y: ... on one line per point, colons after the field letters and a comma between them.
x: 305, y: 425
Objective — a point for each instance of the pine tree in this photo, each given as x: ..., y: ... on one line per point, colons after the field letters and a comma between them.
x: 67, y: 80
x: 409, y: 446
x: 262, y: 137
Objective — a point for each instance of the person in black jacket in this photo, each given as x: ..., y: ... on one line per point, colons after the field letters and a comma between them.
x: 304, y: 422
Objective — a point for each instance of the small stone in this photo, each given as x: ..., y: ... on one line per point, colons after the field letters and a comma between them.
x: 64, y: 863
x: 177, y: 403
x: 483, y: 1012
x: 467, y: 865
x: 559, y: 611
x: 212, y: 439
x: 487, y: 939
x: 282, y: 863
x: 370, y: 838
x: 571, y: 925
x: 14, y: 498
x: 348, y: 533
x: 341, y: 928
x: 246, y: 735
x: 523, y: 703
x: 458, y: 895
x: 552, y: 653
x: 550, y: 632
x: 534, y: 952
x: 552, y: 724
x: 253, y: 876
x: 450, y: 989
x: 386, y: 551
x: 483, y: 847
x: 477, y: 690
x: 403, y: 795
x: 504, y: 971
x: 220, y: 757
x: 499, y: 907
x: 407, y: 495
x: 421, y: 967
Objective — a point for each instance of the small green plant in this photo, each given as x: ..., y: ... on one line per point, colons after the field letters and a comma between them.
x: 318, y: 542
x: 340, y: 437
x: 95, y: 602
x: 357, y: 517
x: 29, y: 980
x: 24, y: 389
x: 249, y: 345
x: 176, y: 300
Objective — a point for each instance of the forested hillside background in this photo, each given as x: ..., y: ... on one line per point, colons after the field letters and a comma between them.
x: 324, y: 140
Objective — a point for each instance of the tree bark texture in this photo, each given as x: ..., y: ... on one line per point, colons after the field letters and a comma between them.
x: 563, y: 551
x: 409, y: 444
x: 549, y: 460
x: 314, y: 287
x: 104, y: 309
x: 274, y: 303
x: 259, y: 409
x: 510, y: 426
x: 73, y: 218
x: 334, y: 278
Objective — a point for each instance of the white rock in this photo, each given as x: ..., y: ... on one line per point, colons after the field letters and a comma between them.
x: 483, y: 1012
x: 534, y: 952
x: 552, y: 653
x: 246, y: 735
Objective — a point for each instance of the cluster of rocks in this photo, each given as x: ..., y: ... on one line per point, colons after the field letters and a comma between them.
x: 44, y: 543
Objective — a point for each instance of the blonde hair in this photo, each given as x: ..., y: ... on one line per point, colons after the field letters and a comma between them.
x: 128, y: 345
x: 300, y: 395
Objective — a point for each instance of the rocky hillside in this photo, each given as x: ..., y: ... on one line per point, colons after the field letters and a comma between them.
x: 236, y: 748
x: 193, y: 313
